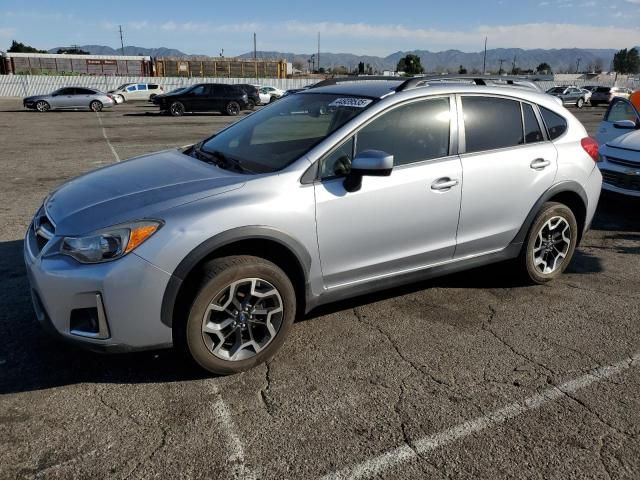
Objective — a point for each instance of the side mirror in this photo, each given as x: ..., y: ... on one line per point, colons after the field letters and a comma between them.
x: 625, y: 125
x: 373, y: 163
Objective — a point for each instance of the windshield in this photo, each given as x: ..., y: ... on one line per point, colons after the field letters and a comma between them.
x: 272, y: 138
x: 556, y: 90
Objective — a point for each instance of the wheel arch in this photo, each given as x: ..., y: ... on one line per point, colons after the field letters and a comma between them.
x: 569, y: 193
x: 264, y: 242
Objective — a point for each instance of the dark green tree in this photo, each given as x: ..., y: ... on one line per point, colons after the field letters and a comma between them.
x: 462, y: 70
x: 73, y: 51
x: 626, y: 61
x: 19, y: 47
x: 361, y: 68
x: 410, y: 65
x: 544, y: 67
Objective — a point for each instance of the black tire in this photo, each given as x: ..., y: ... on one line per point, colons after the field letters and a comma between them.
x: 580, y: 103
x: 594, y: 104
x: 550, y: 211
x: 232, y: 108
x: 251, y: 104
x: 95, y: 106
x: 121, y: 98
x: 176, y: 109
x: 42, y: 106
x: 216, y: 276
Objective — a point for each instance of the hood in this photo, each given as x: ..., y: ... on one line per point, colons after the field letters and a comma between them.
x: 628, y: 141
x: 136, y: 189
x: 34, y: 97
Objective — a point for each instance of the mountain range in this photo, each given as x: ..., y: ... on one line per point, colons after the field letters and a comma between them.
x: 562, y: 59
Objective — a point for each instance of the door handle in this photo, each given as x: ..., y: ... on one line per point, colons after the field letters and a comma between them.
x: 443, y: 184
x: 540, y: 164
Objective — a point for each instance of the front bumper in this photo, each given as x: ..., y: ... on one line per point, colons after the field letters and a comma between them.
x: 126, y: 295
x: 620, y: 175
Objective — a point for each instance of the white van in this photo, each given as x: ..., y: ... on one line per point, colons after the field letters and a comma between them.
x: 136, y: 91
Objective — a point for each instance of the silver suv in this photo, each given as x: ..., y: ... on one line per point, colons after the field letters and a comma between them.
x: 332, y: 192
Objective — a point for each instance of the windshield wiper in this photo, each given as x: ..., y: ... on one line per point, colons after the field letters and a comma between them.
x: 219, y: 159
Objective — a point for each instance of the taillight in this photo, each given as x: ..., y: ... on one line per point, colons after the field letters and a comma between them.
x: 591, y: 147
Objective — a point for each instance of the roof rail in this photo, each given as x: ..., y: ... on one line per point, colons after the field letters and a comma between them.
x: 491, y: 80
x: 415, y: 82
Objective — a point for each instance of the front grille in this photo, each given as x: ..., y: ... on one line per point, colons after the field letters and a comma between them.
x: 626, y: 163
x: 43, y: 229
x: 621, y: 180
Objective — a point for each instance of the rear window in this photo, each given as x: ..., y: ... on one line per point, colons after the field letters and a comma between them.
x: 491, y: 123
x: 556, y: 124
x: 152, y: 86
x: 603, y: 89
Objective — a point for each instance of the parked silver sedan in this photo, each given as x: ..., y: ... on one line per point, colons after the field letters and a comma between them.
x: 70, y: 98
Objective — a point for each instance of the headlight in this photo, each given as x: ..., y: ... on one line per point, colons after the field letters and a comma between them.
x: 110, y: 243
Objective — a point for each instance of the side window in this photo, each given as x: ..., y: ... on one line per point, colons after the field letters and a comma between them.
x: 532, y: 130
x: 491, y: 123
x: 131, y: 88
x: 152, y: 86
x: 199, y: 90
x: 411, y: 133
x: 338, y: 162
x: 621, y: 110
x: 142, y: 86
x: 84, y: 91
x: 556, y: 125
x: 67, y: 91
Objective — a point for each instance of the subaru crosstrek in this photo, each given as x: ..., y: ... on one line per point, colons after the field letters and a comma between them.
x: 330, y: 193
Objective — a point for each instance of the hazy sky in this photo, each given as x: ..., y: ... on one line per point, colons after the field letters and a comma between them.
x: 371, y: 27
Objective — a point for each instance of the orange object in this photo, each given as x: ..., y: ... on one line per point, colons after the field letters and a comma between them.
x: 139, y: 235
x: 635, y: 99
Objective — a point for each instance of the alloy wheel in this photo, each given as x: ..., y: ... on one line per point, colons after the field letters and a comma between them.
x: 177, y: 109
x: 552, y: 245
x: 42, y: 106
x: 242, y: 319
x: 233, y: 108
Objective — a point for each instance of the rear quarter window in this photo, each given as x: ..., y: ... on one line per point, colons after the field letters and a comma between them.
x: 556, y: 124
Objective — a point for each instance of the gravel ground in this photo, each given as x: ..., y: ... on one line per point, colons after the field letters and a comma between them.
x: 467, y: 376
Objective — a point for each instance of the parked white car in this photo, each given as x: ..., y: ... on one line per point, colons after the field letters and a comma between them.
x: 621, y: 117
x: 619, y: 164
x: 273, y: 92
x: 136, y: 91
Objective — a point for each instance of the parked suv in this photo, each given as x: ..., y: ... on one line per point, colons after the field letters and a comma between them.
x: 204, y: 97
x: 569, y: 95
x: 606, y: 94
x: 253, y: 95
x: 333, y: 192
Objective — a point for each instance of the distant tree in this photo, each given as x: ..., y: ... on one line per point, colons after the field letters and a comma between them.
x: 73, y: 51
x: 321, y: 70
x: 339, y: 70
x: 462, y: 70
x: 597, y: 65
x: 410, y: 65
x: 19, y: 47
x: 626, y: 61
x: 545, y: 68
x: 361, y: 68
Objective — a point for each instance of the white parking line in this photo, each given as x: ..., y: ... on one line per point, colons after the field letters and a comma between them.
x: 104, y: 134
x: 377, y: 465
x: 237, y: 458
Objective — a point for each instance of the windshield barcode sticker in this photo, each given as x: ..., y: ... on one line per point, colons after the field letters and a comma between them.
x: 351, y: 102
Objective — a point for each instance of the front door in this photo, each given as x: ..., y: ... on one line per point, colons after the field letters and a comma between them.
x: 507, y: 165
x: 393, y: 224
x: 620, y: 109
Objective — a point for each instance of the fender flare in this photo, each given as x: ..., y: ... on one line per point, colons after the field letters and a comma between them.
x: 221, y: 240
x: 565, y: 186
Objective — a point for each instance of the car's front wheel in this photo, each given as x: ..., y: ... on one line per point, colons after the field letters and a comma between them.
x: 241, y: 314
x: 233, y: 108
x: 550, y: 243
x: 176, y: 109
x: 42, y: 106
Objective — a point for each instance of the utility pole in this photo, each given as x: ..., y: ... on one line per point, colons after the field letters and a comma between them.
x: 318, y: 51
x: 255, y: 51
x: 484, y: 61
x: 578, y: 65
x: 121, y: 41
x: 513, y: 65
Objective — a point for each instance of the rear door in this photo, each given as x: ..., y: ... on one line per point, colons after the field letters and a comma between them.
x: 83, y: 97
x: 64, y: 98
x: 141, y: 93
x: 507, y: 164
x: 197, y: 99
x: 619, y: 109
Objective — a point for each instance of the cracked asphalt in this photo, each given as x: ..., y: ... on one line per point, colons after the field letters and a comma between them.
x: 354, y: 381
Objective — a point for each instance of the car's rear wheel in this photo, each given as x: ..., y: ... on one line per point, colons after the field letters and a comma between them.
x: 550, y: 243
x: 42, y: 106
x: 176, y: 109
x: 95, y: 106
x: 121, y: 98
x: 580, y: 103
x: 251, y: 105
x: 241, y: 314
x: 232, y: 108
